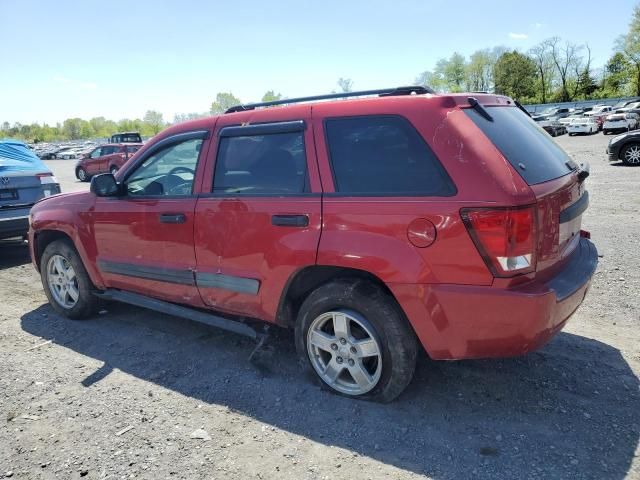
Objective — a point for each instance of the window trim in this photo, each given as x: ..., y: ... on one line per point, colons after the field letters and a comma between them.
x: 338, y: 194
x: 261, y: 129
x: 236, y: 131
x: 153, y: 149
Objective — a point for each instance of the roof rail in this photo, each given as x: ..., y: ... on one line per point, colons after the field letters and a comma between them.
x: 385, y: 92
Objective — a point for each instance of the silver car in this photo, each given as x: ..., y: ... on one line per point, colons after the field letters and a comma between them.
x: 24, y: 180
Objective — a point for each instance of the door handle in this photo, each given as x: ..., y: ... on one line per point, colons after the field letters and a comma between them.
x: 290, y: 220
x: 173, y: 218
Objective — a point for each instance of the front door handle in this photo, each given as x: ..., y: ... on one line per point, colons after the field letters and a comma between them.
x: 173, y: 218
x: 290, y: 220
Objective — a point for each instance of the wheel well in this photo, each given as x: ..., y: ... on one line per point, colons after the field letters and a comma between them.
x: 305, y: 281
x: 44, y: 238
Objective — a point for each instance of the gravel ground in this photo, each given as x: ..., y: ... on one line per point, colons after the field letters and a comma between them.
x: 134, y: 394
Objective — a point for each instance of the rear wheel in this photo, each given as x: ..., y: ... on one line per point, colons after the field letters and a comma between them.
x: 81, y: 174
x: 355, y: 340
x: 66, y: 282
x: 631, y: 154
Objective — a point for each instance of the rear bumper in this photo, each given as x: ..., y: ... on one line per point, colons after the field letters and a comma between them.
x: 14, y: 223
x: 460, y: 321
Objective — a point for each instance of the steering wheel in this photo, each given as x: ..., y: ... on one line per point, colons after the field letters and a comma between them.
x: 176, y: 170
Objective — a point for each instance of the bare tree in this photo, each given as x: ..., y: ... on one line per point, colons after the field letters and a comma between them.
x: 345, y: 84
x: 541, y: 55
x: 564, y: 57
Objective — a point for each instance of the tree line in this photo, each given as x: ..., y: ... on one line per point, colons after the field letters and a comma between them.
x: 555, y: 70
x: 552, y: 71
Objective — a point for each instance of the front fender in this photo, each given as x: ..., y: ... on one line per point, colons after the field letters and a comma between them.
x: 71, y: 215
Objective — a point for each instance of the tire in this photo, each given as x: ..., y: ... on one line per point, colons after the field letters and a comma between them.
x: 81, y: 174
x: 630, y: 155
x: 372, y: 320
x: 113, y: 170
x: 59, y: 260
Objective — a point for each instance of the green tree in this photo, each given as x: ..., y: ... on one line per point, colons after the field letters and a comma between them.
x: 345, y: 85
x: 224, y: 101
x: 515, y: 76
x: 153, y: 121
x: 454, y: 70
x: 72, y: 128
x: 480, y: 71
x: 616, y: 75
x: 629, y: 45
x: 271, y: 96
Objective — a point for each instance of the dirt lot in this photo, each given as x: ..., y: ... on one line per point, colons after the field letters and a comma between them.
x: 124, y: 395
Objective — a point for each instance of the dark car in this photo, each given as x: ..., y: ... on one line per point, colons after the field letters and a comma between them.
x: 105, y: 158
x: 126, y: 137
x: 361, y: 224
x: 24, y: 180
x: 625, y: 147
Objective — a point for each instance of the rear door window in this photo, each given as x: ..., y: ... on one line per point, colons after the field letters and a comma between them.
x: 527, y: 147
x: 383, y: 155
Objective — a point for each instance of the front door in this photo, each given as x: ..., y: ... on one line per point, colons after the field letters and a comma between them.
x: 144, y: 239
x: 262, y: 220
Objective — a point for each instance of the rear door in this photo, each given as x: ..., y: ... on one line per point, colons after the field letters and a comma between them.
x: 549, y: 172
x: 261, y: 221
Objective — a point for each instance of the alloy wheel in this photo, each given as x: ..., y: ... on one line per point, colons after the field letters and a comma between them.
x: 632, y: 155
x: 62, y: 281
x: 345, y: 352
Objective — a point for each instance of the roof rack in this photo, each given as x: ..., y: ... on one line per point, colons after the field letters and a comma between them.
x: 385, y: 92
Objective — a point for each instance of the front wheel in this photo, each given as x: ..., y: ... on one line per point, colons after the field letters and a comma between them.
x: 631, y: 155
x: 355, y: 340
x: 66, y: 282
x: 82, y: 174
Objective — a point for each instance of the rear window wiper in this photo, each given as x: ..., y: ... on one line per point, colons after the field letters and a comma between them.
x: 473, y: 101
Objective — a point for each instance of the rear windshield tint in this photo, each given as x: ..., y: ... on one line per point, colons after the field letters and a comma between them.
x: 528, y: 148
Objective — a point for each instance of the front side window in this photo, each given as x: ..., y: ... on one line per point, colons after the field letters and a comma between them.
x: 261, y: 164
x: 383, y: 155
x: 168, y: 172
x: 96, y: 153
x: 132, y: 150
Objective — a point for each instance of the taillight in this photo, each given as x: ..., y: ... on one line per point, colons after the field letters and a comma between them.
x: 46, y: 178
x: 505, y: 237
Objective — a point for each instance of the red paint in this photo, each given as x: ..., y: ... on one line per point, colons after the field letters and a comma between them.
x: 418, y: 246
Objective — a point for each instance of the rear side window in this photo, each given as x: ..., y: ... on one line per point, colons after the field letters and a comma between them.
x: 527, y: 147
x: 383, y: 155
x: 261, y: 164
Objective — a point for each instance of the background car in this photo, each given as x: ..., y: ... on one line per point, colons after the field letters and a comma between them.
x: 24, y: 180
x: 105, y: 158
x: 126, y: 137
x: 625, y: 147
x: 585, y: 125
x: 620, y: 122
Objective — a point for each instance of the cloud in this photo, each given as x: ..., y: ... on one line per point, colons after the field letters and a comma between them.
x: 518, y: 36
x: 67, y: 81
x: 538, y: 25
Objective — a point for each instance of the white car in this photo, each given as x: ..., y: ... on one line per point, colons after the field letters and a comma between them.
x: 582, y: 125
x: 620, y: 122
x: 72, y: 153
x: 599, y: 110
x: 567, y: 120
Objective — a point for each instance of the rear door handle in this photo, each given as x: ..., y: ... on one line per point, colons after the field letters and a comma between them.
x: 290, y: 220
x: 173, y: 218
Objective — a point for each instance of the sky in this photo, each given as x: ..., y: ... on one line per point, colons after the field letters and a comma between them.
x: 117, y: 59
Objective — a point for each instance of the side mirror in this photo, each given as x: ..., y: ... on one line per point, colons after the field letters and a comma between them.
x: 104, y: 185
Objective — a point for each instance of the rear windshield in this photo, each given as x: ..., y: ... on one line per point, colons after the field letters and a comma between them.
x: 528, y: 148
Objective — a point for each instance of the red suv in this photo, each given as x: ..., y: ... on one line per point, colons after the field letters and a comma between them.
x: 371, y: 226
x: 105, y: 158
